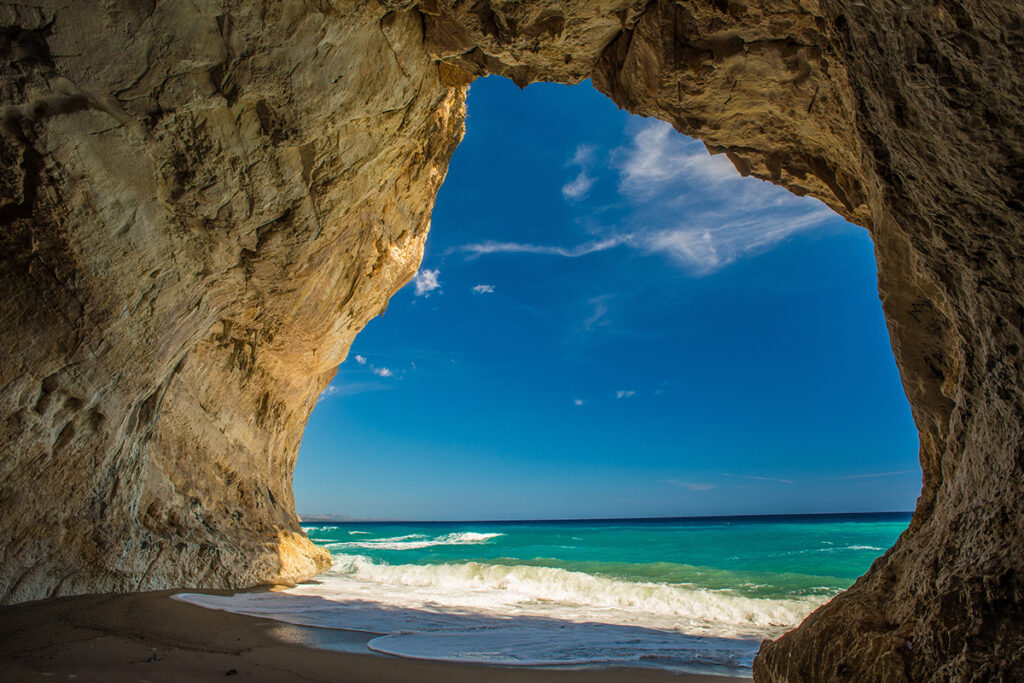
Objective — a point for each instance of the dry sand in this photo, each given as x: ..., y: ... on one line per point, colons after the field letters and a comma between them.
x: 150, y: 637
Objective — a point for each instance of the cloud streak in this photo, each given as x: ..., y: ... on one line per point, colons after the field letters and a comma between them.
x: 772, y: 479
x: 691, y: 485
x: 334, y: 390
x: 875, y: 475
x: 682, y: 203
x: 714, y: 245
x: 696, y: 209
x: 583, y: 156
x: 491, y: 247
x: 598, y: 318
x: 759, y: 478
x: 483, y: 289
x: 578, y: 187
x: 658, y: 155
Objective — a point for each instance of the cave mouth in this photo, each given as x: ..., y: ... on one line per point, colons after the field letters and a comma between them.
x: 601, y: 263
x: 614, y: 324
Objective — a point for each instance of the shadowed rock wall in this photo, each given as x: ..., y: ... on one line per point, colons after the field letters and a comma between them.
x: 203, y: 203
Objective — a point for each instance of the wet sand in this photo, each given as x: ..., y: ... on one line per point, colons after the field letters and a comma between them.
x: 151, y: 637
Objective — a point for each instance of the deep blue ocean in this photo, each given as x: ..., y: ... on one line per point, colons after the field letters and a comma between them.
x: 695, y: 594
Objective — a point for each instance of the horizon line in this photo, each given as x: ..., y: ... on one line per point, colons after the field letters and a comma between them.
x: 326, y: 519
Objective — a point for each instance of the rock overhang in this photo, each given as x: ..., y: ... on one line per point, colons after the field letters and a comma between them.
x: 203, y: 209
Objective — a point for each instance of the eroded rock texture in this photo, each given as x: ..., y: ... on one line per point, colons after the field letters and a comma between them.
x: 202, y: 206
x: 203, y: 202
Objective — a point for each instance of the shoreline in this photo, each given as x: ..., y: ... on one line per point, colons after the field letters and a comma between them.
x: 151, y: 636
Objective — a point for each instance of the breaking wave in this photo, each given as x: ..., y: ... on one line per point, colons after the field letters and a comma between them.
x: 499, y: 587
x: 521, y: 615
x: 414, y: 541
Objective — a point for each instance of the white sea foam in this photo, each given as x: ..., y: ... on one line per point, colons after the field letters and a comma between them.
x: 414, y: 541
x: 830, y: 549
x: 501, y: 587
x: 526, y: 615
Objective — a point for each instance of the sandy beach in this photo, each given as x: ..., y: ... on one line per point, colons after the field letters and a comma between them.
x: 151, y: 637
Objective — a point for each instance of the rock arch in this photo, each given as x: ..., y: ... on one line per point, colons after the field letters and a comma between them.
x: 202, y: 203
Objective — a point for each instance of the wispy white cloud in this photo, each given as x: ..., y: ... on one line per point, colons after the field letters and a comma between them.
x: 598, y: 318
x: 490, y: 247
x: 683, y: 203
x: 330, y: 390
x: 578, y: 187
x: 692, y: 485
x: 579, y: 402
x: 426, y: 281
x: 873, y: 475
x: 717, y: 243
x: 350, y: 389
x: 658, y: 155
x: 758, y: 478
x: 778, y: 481
x: 696, y: 209
x: 584, y: 155
x: 361, y: 359
x: 484, y: 289
x: 625, y: 393
x: 695, y: 247
x: 383, y: 372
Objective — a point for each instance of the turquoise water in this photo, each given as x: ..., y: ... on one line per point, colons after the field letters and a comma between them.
x: 769, y: 557
x: 685, y: 594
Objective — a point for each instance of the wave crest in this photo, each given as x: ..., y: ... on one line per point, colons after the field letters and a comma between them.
x: 415, y: 541
x: 507, y: 586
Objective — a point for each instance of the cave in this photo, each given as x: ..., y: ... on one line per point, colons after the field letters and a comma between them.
x: 203, y: 204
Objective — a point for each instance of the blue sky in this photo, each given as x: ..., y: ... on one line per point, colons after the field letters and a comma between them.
x: 610, y: 322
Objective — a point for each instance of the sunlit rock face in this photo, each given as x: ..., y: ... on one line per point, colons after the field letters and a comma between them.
x: 200, y: 210
x: 203, y: 203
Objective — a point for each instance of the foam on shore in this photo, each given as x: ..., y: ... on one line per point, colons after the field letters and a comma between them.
x: 527, y: 615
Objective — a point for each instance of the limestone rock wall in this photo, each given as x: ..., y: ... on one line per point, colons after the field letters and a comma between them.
x: 202, y: 203
x: 939, y: 99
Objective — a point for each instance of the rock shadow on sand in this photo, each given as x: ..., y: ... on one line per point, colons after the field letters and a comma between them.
x: 465, y: 635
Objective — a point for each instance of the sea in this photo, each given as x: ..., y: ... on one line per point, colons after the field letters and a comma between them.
x: 685, y: 594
